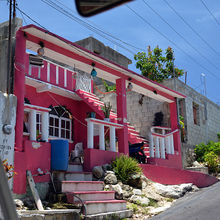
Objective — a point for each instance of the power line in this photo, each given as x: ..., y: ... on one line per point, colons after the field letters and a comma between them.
x: 90, y: 27
x: 194, y: 48
x: 30, y: 18
x: 210, y: 12
x: 163, y: 35
x: 79, y: 50
x: 194, y: 31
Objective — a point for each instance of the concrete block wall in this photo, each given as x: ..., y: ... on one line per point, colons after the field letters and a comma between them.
x: 140, y: 116
x: 207, y: 127
x: 99, y: 48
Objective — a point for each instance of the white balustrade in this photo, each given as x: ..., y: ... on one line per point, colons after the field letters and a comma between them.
x: 33, y: 110
x: 102, y: 124
x: 161, y: 142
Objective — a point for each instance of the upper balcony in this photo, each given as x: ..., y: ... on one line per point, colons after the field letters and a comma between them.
x: 40, y: 70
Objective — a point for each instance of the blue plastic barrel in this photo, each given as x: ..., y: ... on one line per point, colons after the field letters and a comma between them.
x: 59, y: 154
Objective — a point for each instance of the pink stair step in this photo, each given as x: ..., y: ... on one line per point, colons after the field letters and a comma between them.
x: 90, y: 196
x: 104, y: 206
x: 71, y: 186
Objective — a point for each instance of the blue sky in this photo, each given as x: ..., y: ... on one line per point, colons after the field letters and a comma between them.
x: 191, y: 53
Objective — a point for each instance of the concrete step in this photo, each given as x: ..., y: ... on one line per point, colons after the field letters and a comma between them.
x: 72, y: 176
x: 74, y: 168
x: 124, y: 214
x: 90, y: 196
x: 78, y: 176
x: 96, y: 207
x: 75, y: 186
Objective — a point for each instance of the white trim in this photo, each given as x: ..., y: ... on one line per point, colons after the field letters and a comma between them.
x: 65, y: 78
x: 57, y: 74
x: 48, y: 72
x: 28, y: 107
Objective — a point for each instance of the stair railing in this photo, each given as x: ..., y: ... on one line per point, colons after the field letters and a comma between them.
x: 161, y: 141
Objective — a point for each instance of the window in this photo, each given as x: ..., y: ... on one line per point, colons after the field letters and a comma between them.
x: 196, y: 118
x: 60, y: 126
x: 38, y: 122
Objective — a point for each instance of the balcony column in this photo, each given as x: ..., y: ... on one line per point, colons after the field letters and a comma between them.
x: 174, y: 125
x: 112, y: 139
x: 19, y: 87
x: 122, y: 115
x: 101, y: 137
x: 45, y: 126
x: 32, y: 123
x: 90, y: 135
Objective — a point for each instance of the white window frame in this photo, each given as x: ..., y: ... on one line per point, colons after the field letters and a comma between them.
x: 60, y: 128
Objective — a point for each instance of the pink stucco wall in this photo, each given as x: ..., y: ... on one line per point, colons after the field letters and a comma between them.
x: 95, y: 157
x: 33, y: 157
x: 172, y: 176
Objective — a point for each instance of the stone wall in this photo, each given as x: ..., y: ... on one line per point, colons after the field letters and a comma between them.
x: 208, y: 114
x: 141, y: 116
x: 7, y: 117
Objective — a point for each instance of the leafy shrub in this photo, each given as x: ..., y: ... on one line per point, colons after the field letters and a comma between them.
x: 212, y: 161
x: 218, y: 136
x: 125, y: 166
x: 200, y: 151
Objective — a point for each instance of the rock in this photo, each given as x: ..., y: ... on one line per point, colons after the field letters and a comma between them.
x: 135, y: 180
x: 47, y: 208
x: 172, y: 191
x: 144, y: 181
x: 118, y: 191
x: 196, y: 164
x: 98, y: 172
x: 106, y: 167
x: 139, y: 200
x: 195, y: 188
x: 158, y: 210
x: 151, y: 193
x: 29, y: 203
x: 137, y: 192
x: 127, y: 194
x: 109, y: 172
x: 107, y: 188
x: 19, y: 204
x: 110, y: 179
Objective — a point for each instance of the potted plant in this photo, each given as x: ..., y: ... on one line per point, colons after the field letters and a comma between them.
x: 106, y: 110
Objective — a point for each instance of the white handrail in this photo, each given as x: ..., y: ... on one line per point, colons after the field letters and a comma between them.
x: 161, y: 143
x: 90, y: 132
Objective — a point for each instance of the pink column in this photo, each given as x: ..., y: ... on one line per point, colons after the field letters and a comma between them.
x: 122, y: 116
x: 174, y: 126
x: 19, y: 87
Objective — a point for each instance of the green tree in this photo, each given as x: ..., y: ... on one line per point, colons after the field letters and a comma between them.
x: 157, y: 67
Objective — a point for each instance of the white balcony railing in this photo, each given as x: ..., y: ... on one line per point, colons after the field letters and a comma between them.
x: 161, y: 142
x: 101, y: 125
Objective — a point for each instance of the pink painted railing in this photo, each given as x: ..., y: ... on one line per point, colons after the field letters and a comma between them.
x: 54, y: 74
x: 161, y: 142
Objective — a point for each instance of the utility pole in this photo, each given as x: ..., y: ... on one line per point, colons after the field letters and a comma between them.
x: 11, y: 30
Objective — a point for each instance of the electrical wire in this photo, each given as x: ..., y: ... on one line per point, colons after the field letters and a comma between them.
x: 191, y: 28
x: 80, y: 21
x: 181, y: 36
x: 167, y: 38
x: 210, y: 12
x: 104, y: 31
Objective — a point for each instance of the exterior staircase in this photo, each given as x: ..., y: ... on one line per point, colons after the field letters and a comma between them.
x: 95, y: 103
x: 79, y: 187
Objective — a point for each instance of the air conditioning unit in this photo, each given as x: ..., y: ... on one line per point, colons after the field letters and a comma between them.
x: 35, y: 60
